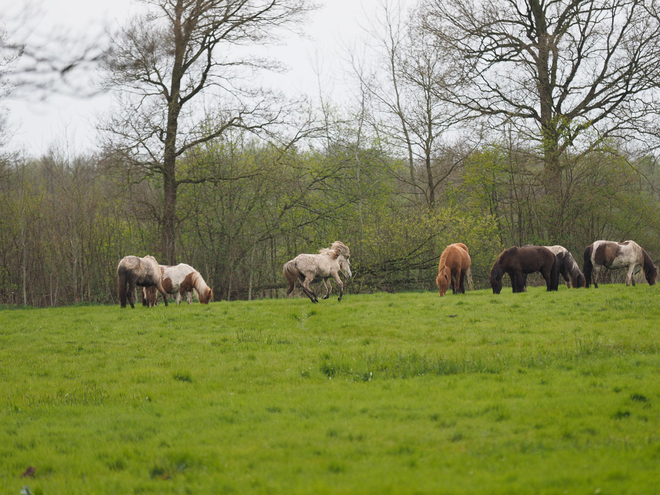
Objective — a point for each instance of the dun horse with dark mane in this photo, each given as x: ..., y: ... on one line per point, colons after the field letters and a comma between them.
x: 135, y: 271
x: 568, y: 268
x: 326, y: 264
x: 618, y: 255
x: 518, y: 262
x: 452, y: 269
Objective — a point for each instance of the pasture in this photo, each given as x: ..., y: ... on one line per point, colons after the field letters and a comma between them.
x: 538, y: 392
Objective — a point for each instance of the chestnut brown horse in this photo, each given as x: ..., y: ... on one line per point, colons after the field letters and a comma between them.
x: 135, y: 271
x: 613, y: 255
x: 453, y: 267
x: 518, y: 262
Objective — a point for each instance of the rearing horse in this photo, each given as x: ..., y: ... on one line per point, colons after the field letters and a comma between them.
x: 454, y: 265
x: 618, y: 255
x: 133, y: 271
x: 326, y: 264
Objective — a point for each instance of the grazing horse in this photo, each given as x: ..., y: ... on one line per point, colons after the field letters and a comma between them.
x: 143, y: 272
x: 180, y: 280
x: 326, y: 264
x: 617, y: 255
x: 520, y: 261
x: 454, y: 264
x: 568, y: 268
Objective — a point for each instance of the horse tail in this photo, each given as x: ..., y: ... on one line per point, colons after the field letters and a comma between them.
x: 290, y: 273
x: 588, y: 265
x: 121, y: 285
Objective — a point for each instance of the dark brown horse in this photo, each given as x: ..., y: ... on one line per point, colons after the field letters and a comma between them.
x: 454, y: 265
x: 613, y: 255
x: 518, y: 262
x: 135, y: 271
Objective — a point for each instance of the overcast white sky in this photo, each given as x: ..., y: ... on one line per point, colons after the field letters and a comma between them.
x: 70, y: 121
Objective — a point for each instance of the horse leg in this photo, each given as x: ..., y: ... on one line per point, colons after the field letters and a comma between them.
x: 307, y: 289
x: 160, y: 288
x: 630, y: 275
x: 339, y: 283
x: 515, y: 281
x: 461, y: 281
x: 596, y: 272
x: 131, y: 293
x: 328, y: 288
x: 548, y: 278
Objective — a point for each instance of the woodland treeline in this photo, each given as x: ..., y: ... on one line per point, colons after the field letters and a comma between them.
x: 445, y: 141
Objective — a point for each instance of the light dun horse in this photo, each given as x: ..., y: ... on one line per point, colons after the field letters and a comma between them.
x: 135, y: 271
x: 180, y: 280
x: 326, y: 264
x: 453, y: 267
x: 617, y: 255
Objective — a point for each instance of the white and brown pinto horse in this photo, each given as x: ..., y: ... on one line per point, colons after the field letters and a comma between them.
x: 568, y: 268
x: 135, y: 271
x: 180, y: 280
x: 326, y: 264
x: 618, y: 255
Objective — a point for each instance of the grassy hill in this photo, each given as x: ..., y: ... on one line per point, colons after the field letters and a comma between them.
x: 384, y: 393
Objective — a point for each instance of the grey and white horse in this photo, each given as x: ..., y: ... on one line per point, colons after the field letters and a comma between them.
x: 136, y: 271
x: 568, y: 268
x: 326, y: 264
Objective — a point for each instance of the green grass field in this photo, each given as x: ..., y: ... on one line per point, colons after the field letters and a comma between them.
x: 384, y: 393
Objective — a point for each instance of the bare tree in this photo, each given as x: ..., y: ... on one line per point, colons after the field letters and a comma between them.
x: 180, y: 67
x: 404, y: 85
x: 568, y: 74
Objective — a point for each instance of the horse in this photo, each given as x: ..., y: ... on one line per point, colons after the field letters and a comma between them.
x: 568, y: 268
x: 454, y: 264
x: 617, y: 255
x: 520, y: 261
x: 309, y: 267
x: 179, y: 280
x: 143, y: 272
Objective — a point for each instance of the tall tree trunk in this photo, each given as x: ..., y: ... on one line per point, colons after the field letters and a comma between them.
x: 549, y: 127
x: 169, y: 156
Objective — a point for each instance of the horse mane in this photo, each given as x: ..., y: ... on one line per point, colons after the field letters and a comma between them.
x: 496, y: 273
x: 443, y: 258
x: 511, y: 251
x: 204, y: 292
x: 650, y: 270
x: 336, y: 250
x: 648, y: 262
